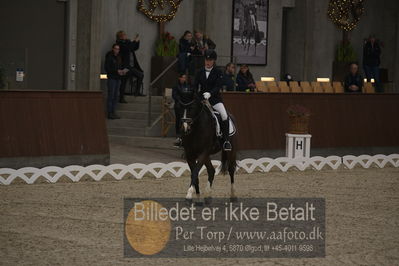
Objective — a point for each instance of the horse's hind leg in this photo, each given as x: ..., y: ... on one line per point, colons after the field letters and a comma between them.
x: 231, y: 157
x: 232, y: 189
x: 211, y: 175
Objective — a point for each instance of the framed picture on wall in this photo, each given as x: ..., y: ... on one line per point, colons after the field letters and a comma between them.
x: 249, y: 31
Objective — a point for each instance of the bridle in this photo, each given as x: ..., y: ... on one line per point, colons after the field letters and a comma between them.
x: 190, y: 120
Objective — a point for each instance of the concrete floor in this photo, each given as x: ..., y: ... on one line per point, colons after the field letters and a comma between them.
x: 121, y: 154
x: 82, y: 223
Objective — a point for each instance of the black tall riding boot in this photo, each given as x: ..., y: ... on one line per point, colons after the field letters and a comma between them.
x: 225, y: 130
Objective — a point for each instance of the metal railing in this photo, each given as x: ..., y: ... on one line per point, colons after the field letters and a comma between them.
x: 151, y: 87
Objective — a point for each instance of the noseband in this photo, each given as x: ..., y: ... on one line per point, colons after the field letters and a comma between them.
x: 190, y: 120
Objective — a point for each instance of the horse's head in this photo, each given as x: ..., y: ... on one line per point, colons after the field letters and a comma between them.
x: 191, y: 113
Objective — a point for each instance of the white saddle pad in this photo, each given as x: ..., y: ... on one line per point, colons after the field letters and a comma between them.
x: 232, y: 127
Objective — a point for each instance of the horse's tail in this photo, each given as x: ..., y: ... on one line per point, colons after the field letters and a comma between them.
x: 228, y: 163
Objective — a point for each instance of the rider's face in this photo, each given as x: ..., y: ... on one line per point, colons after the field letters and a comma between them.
x: 209, y: 63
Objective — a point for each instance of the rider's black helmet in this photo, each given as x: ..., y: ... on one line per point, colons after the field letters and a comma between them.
x: 211, y: 54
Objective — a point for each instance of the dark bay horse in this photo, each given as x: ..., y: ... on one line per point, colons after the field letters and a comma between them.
x: 200, y: 142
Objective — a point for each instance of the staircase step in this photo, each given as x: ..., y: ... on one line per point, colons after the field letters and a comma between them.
x: 143, y: 142
x: 133, y: 99
x: 137, y: 115
x: 140, y: 123
x: 139, y: 107
x: 126, y: 131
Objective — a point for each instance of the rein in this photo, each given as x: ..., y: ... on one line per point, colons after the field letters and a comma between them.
x: 186, y: 104
x: 192, y: 120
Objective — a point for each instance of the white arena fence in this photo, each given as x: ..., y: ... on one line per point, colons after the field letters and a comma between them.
x: 118, y: 171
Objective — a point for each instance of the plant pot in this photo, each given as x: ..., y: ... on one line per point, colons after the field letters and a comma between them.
x: 169, y: 80
x: 298, y: 124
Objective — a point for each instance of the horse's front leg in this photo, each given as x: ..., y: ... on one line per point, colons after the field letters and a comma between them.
x: 192, y: 164
x: 195, y: 169
x: 211, y: 175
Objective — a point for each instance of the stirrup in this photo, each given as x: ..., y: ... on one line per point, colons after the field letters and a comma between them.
x: 227, y: 146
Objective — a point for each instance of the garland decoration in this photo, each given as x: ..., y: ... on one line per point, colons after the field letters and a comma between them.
x: 168, y: 9
x: 346, y: 13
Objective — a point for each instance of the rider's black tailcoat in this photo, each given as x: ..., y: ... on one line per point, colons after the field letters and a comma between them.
x: 213, y: 84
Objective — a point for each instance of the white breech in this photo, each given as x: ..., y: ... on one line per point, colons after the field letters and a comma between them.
x: 219, y: 107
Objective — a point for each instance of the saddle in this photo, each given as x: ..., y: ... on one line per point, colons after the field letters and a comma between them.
x: 218, y: 120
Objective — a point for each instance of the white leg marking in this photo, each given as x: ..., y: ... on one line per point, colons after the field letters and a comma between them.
x: 185, y: 125
x: 208, y: 189
x: 190, y: 192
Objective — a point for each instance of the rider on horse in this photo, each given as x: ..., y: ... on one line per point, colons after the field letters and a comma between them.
x: 208, y: 82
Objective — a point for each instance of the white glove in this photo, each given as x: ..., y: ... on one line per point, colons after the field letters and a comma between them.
x: 206, y: 95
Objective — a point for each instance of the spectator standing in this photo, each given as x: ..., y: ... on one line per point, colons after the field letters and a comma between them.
x: 353, y: 81
x: 113, y: 67
x: 186, y: 47
x: 245, y: 80
x: 182, y: 93
x: 371, y: 61
x: 129, y: 62
x: 202, y: 43
x: 229, y: 81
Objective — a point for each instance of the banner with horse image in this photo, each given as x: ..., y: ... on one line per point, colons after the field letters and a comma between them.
x: 249, y: 31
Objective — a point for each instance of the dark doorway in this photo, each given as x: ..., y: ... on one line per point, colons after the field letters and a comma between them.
x: 33, y: 39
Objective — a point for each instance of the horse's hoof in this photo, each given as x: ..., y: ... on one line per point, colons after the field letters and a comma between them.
x: 233, y: 199
x: 208, y: 200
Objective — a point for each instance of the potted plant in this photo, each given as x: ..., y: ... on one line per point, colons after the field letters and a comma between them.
x: 298, y: 119
x: 166, y: 49
x: 166, y: 46
x: 345, y: 54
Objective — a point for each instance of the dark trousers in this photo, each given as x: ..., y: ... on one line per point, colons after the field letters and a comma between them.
x: 184, y: 63
x: 112, y: 97
x: 134, y: 72
x: 178, y: 115
x: 373, y: 72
